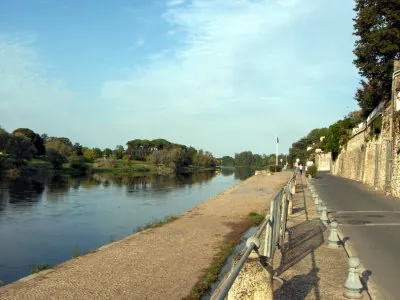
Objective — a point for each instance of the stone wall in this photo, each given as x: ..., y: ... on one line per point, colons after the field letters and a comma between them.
x: 373, y: 160
x: 323, y: 161
x: 395, y: 184
x: 367, y: 158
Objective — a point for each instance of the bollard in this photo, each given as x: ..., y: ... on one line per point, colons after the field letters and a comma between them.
x: 333, y: 239
x: 353, y: 285
x: 324, y: 216
x: 321, y: 205
x: 316, y: 201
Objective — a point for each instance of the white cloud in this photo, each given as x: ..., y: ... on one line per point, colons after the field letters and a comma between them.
x: 224, y: 42
x: 29, y: 95
x: 24, y: 84
x: 248, y: 60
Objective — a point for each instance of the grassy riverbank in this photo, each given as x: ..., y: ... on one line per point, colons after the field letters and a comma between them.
x: 107, y: 166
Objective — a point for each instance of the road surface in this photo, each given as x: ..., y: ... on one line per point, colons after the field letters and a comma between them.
x: 372, y: 222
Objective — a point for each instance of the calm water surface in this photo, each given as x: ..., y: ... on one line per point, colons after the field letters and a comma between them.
x: 44, y: 221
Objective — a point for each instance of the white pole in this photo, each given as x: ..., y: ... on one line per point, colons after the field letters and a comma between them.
x: 277, y: 145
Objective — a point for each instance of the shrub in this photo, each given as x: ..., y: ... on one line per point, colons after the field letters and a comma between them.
x: 40, y: 267
x: 256, y: 218
x: 55, y: 158
x: 275, y: 168
x: 13, y: 173
x: 312, y: 170
x: 78, y: 163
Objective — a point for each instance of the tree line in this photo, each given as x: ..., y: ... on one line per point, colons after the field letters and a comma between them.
x: 24, y: 144
x: 249, y: 159
x: 335, y: 137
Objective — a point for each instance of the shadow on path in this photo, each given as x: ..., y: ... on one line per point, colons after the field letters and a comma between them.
x: 303, y: 239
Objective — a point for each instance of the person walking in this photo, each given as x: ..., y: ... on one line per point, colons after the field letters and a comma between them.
x: 301, y: 169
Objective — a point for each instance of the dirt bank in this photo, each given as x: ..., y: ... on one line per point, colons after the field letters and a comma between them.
x: 159, y: 263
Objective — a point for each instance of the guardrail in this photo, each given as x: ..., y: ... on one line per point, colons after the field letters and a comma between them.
x: 275, y: 230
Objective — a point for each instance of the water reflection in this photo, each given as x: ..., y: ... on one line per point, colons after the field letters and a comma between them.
x: 243, y: 173
x: 43, y: 218
x: 25, y: 190
x: 227, y: 171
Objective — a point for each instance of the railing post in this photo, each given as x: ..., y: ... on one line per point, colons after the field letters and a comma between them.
x: 293, y: 187
x: 290, y: 205
x: 268, y: 237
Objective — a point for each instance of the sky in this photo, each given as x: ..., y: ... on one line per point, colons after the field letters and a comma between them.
x: 221, y: 75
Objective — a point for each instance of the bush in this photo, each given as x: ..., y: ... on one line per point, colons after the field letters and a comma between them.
x: 256, y: 218
x: 55, y: 158
x: 78, y: 163
x: 275, y: 168
x: 312, y: 170
x: 40, y: 267
x: 13, y: 173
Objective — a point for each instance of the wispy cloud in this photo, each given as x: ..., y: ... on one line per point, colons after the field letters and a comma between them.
x: 224, y: 42
x: 235, y: 57
x: 29, y: 95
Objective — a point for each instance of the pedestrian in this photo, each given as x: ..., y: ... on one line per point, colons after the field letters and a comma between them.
x: 301, y: 169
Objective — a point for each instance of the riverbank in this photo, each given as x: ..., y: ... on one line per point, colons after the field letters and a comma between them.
x: 81, y: 168
x: 160, y: 263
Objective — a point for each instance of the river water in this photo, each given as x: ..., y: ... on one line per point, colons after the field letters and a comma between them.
x: 49, y: 220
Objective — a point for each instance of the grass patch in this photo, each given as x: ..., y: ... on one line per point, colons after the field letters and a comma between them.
x: 40, y: 267
x: 156, y: 224
x: 122, y: 166
x: 212, y: 272
x: 256, y: 218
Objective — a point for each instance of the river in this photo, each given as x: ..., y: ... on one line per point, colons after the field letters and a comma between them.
x: 50, y: 220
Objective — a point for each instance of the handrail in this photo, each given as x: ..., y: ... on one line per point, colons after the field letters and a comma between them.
x: 251, y: 245
x: 274, y: 224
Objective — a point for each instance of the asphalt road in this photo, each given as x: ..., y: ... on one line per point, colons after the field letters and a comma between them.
x: 372, y: 222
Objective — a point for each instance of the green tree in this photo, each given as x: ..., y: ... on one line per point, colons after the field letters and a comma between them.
x: 78, y: 149
x: 228, y: 161
x: 61, y: 145
x: 55, y: 158
x: 377, y: 26
x: 107, y: 152
x: 89, y: 154
x: 98, y: 153
x: 20, y: 147
x: 4, y: 137
x: 119, y: 152
x: 34, y: 138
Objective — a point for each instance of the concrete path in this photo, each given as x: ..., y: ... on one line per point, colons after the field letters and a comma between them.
x: 372, y: 222
x: 311, y: 270
x: 160, y: 263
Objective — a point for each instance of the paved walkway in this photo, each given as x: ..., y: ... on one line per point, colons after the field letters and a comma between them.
x: 160, y: 263
x: 372, y: 222
x: 310, y: 269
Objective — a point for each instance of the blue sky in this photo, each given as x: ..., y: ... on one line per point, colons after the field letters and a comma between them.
x: 222, y: 75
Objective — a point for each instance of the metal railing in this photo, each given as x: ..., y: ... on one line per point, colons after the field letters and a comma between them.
x: 275, y: 230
